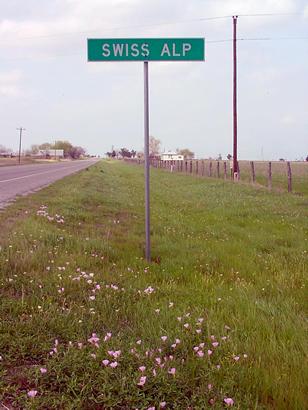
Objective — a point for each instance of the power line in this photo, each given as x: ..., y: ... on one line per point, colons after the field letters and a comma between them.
x: 258, y: 39
x: 228, y: 40
x: 199, y: 19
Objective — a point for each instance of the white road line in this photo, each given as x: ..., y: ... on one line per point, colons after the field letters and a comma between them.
x: 38, y: 173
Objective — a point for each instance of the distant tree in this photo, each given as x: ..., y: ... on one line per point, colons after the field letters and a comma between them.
x: 187, y: 153
x: 281, y: 159
x: 45, y: 145
x: 76, y: 152
x: 34, y: 149
x: 5, y: 150
x: 66, y: 146
x: 219, y: 158
x: 133, y: 153
x: 69, y: 150
x: 154, y: 146
x: 125, y: 153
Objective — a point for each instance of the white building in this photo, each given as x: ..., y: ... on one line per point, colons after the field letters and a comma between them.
x: 50, y: 153
x: 171, y: 156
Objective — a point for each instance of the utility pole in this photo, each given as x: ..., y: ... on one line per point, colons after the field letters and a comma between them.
x: 235, y: 164
x: 20, y: 134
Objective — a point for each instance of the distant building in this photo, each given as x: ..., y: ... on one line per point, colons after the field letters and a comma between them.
x: 171, y: 156
x: 49, y: 153
x: 6, y: 154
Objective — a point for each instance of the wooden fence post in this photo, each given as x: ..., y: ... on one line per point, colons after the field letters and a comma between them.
x: 202, y: 168
x: 210, y: 169
x: 289, y: 177
x: 197, y: 167
x: 253, y: 175
x: 238, y: 172
x: 190, y: 166
x: 269, y: 183
x: 218, y: 170
x: 225, y: 170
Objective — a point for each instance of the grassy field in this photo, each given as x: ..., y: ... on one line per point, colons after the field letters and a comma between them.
x: 216, y: 320
x: 279, y: 174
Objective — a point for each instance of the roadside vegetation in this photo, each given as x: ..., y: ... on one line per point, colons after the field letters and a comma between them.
x: 217, y: 319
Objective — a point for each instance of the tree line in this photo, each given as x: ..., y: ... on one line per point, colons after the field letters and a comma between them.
x: 154, y: 151
x: 69, y: 150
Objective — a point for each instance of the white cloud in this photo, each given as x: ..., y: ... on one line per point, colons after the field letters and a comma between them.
x: 253, y: 7
x: 288, y: 119
x: 10, y: 83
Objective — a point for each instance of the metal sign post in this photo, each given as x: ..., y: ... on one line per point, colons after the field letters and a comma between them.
x: 146, y: 49
x: 146, y: 162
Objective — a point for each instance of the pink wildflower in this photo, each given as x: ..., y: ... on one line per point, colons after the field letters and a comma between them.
x: 164, y: 338
x: 162, y: 405
x: 94, y: 339
x: 209, y: 352
x: 142, y: 381
x: 113, y: 365
x: 200, y: 353
x: 228, y: 401
x: 43, y: 370
x: 105, y: 362
x: 107, y: 337
x: 142, y: 368
x: 32, y: 393
x: 215, y: 344
x: 172, y: 371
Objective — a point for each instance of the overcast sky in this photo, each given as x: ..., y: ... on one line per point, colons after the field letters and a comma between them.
x: 48, y: 87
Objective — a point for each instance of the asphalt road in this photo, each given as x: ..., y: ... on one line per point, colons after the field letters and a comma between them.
x: 24, y: 179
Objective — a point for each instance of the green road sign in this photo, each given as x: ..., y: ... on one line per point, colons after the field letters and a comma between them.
x: 146, y: 49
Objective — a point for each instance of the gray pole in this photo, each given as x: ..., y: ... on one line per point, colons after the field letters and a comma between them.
x: 146, y: 162
x: 235, y: 163
x: 19, y: 152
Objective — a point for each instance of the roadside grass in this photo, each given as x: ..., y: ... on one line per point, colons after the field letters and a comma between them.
x: 217, y: 317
